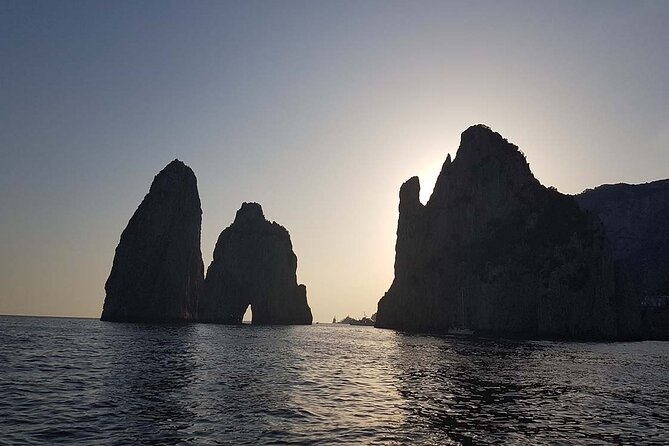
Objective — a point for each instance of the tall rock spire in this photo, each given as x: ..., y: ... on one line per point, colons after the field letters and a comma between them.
x: 157, y: 272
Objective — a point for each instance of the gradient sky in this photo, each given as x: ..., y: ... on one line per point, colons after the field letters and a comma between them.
x: 317, y: 110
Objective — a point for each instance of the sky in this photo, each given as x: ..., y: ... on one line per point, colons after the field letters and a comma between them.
x: 317, y: 110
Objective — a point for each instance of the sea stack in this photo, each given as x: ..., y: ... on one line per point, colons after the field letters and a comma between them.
x: 157, y: 273
x: 254, y: 264
x: 494, y: 251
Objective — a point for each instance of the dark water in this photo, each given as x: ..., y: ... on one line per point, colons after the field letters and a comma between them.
x: 79, y: 381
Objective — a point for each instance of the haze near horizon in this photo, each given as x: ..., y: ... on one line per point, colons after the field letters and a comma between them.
x: 318, y: 111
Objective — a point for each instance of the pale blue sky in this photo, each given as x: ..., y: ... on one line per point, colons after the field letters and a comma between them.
x: 317, y: 110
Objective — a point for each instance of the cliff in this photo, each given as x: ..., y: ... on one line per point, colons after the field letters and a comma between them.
x: 494, y: 251
x: 254, y: 265
x: 157, y: 271
x: 636, y: 221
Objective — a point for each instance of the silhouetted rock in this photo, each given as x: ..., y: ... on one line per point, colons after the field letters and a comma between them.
x: 494, y: 251
x: 365, y: 321
x: 347, y: 320
x: 157, y: 272
x: 636, y: 220
x: 254, y: 264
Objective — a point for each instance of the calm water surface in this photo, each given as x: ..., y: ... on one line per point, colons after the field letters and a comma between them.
x: 81, y: 381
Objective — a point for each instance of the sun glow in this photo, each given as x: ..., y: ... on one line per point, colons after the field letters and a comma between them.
x: 428, y: 177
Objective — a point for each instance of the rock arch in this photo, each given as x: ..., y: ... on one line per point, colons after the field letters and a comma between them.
x: 254, y: 264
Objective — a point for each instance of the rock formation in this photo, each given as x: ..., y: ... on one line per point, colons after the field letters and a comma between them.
x: 494, y: 251
x: 636, y: 220
x: 157, y: 272
x: 254, y: 265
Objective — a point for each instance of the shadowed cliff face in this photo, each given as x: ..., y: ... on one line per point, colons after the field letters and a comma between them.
x: 254, y: 264
x: 636, y: 219
x: 157, y: 272
x: 495, y: 251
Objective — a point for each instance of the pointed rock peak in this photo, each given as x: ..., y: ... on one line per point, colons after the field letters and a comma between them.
x: 479, y: 128
x: 483, y: 156
x: 249, y: 213
x: 176, y: 166
x: 479, y: 143
x: 410, y: 190
x: 480, y: 135
x: 410, y: 194
x: 176, y: 175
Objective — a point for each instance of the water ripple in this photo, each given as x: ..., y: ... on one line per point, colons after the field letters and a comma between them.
x: 81, y: 381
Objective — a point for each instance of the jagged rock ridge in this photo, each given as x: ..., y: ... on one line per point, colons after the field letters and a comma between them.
x: 254, y: 264
x: 495, y: 251
x: 157, y: 271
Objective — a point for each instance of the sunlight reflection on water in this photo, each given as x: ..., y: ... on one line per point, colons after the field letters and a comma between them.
x: 85, y: 381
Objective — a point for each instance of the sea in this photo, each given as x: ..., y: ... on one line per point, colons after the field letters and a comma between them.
x: 83, y: 381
